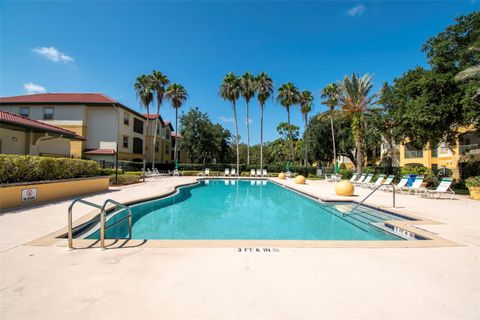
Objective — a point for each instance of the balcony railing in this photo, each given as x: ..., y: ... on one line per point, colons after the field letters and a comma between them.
x: 469, y: 147
x: 413, y: 153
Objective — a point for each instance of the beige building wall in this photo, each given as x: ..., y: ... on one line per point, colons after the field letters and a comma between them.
x: 13, y: 141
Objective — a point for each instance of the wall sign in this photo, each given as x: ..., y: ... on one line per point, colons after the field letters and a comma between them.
x: 29, y: 194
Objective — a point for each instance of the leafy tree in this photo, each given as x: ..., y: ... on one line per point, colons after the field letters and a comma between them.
x: 428, y: 106
x: 203, y: 140
x: 288, y: 96
x: 144, y: 91
x: 230, y: 91
x: 158, y: 82
x: 247, y: 90
x: 265, y: 90
x: 331, y: 94
x: 177, y: 95
x: 288, y: 131
x: 306, y: 102
x: 355, y: 101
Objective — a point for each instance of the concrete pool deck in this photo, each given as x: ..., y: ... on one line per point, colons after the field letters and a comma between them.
x: 51, y: 282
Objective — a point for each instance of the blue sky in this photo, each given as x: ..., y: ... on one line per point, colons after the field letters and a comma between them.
x: 103, y: 46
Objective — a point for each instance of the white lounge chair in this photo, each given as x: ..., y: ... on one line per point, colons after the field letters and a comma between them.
x: 337, y: 177
x: 227, y: 172
x: 207, y: 172
x: 176, y: 173
x: 377, y: 182
x: 401, y: 184
x: 233, y: 172
x: 387, y: 182
x: 367, y: 179
x: 252, y: 172
x: 352, y: 179
x: 265, y: 174
x: 288, y: 174
x: 259, y: 173
x: 416, y: 186
x: 361, y: 179
x: 443, y: 188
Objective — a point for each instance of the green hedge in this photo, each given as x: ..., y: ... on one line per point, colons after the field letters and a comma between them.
x: 16, y: 168
x: 125, y: 179
x: 303, y: 170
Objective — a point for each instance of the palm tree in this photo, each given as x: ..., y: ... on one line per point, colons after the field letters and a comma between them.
x: 306, y: 102
x: 177, y: 95
x: 264, y: 86
x: 355, y: 101
x: 288, y: 96
x: 472, y: 72
x: 331, y: 94
x: 143, y: 88
x: 230, y: 90
x: 158, y: 83
x: 247, y: 90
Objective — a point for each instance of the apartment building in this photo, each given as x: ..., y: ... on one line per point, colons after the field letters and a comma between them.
x: 101, y: 120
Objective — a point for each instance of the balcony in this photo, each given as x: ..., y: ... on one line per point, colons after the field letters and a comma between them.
x: 413, y: 153
x: 470, y: 148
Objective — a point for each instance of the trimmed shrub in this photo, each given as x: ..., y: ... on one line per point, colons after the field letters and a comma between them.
x: 429, y: 179
x: 124, y: 179
x: 17, y: 168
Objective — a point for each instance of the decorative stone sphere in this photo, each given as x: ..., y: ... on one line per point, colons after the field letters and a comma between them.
x: 282, y: 176
x: 300, y: 180
x: 344, y: 188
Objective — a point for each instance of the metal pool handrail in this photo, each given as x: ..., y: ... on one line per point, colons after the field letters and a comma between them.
x: 70, y: 220
x: 351, y: 212
x: 103, y: 213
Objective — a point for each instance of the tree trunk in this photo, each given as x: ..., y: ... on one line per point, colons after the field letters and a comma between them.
x: 248, y: 136
x: 236, y: 137
x: 290, y: 135
x: 358, y: 146
x: 145, y: 146
x: 333, y: 142
x: 176, y: 140
x: 155, y: 136
x: 305, y: 141
x: 261, y: 138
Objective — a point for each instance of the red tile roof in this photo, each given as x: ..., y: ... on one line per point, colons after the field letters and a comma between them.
x: 17, y: 120
x: 166, y: 122
x: 150, y: 116
x: 59, y: 98
x: 100, y: 151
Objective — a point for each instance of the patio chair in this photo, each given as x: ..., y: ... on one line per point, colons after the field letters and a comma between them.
x: 416, y: 186
x: 252, y: 172
x: 176, y: 173
x: 233, y: 172
x: 227, y: 172
x: 352, y: 179
x: 337, y: 177
x: 366, y: 180
x: 265, y: 174
x: 401, y: 184
x: 259, y: 173
x: 387, y: 181
x: 329, y: 178
x: 377, y: 182
x: 443, y: 188
x: 207, y: 171
x: 288, y: 174
x: 361, y: 179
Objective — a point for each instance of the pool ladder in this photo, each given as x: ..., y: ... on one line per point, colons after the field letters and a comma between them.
x: 103, y: 219
x: 351, y: 212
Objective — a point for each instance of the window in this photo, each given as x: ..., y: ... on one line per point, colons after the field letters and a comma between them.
x: 435, y: 152
x: 137, y: 125
x: 24, y: 111
x: 126, y: 119
x: 443, y: 148
x: 125, y: 141
x: 137, y: 145
x: 48, y: 113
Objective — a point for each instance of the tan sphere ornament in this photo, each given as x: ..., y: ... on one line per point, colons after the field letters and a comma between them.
x: 300, y: 180
x: 282, y: 176
x: 344, y: 188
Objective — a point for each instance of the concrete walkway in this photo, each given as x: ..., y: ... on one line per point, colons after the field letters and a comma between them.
x: 40, y: 282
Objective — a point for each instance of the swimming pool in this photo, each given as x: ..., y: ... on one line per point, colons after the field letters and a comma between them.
x: 244, y: 210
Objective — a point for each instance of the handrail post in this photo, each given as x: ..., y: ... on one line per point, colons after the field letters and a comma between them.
x: 129, y: 223
x: 393, y: 188
x: 70, y: 227
x: 102, y: 228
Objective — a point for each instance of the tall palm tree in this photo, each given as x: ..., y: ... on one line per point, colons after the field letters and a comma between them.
x: 158, y: 81
x: 177, y: 95
x: 247, y: 90
x: 331, y: 94
x: 143, y: 88
x: 306, y: 102
x: 230, y: 91
x: 288, y: 96
x: 355, y: 101
x: 264, y: 86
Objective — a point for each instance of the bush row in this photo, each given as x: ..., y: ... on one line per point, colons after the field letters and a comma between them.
x: 304, y: 170
x: 17, y: 168
x: 123, y: 179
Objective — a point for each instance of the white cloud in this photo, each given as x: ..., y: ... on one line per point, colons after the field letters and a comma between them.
x: 226, y: 119
x: 52, y: 54
x: 356, y: 11
x: 33, y: 88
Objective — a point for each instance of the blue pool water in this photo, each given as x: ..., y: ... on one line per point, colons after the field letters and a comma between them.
x: 222, y: 209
